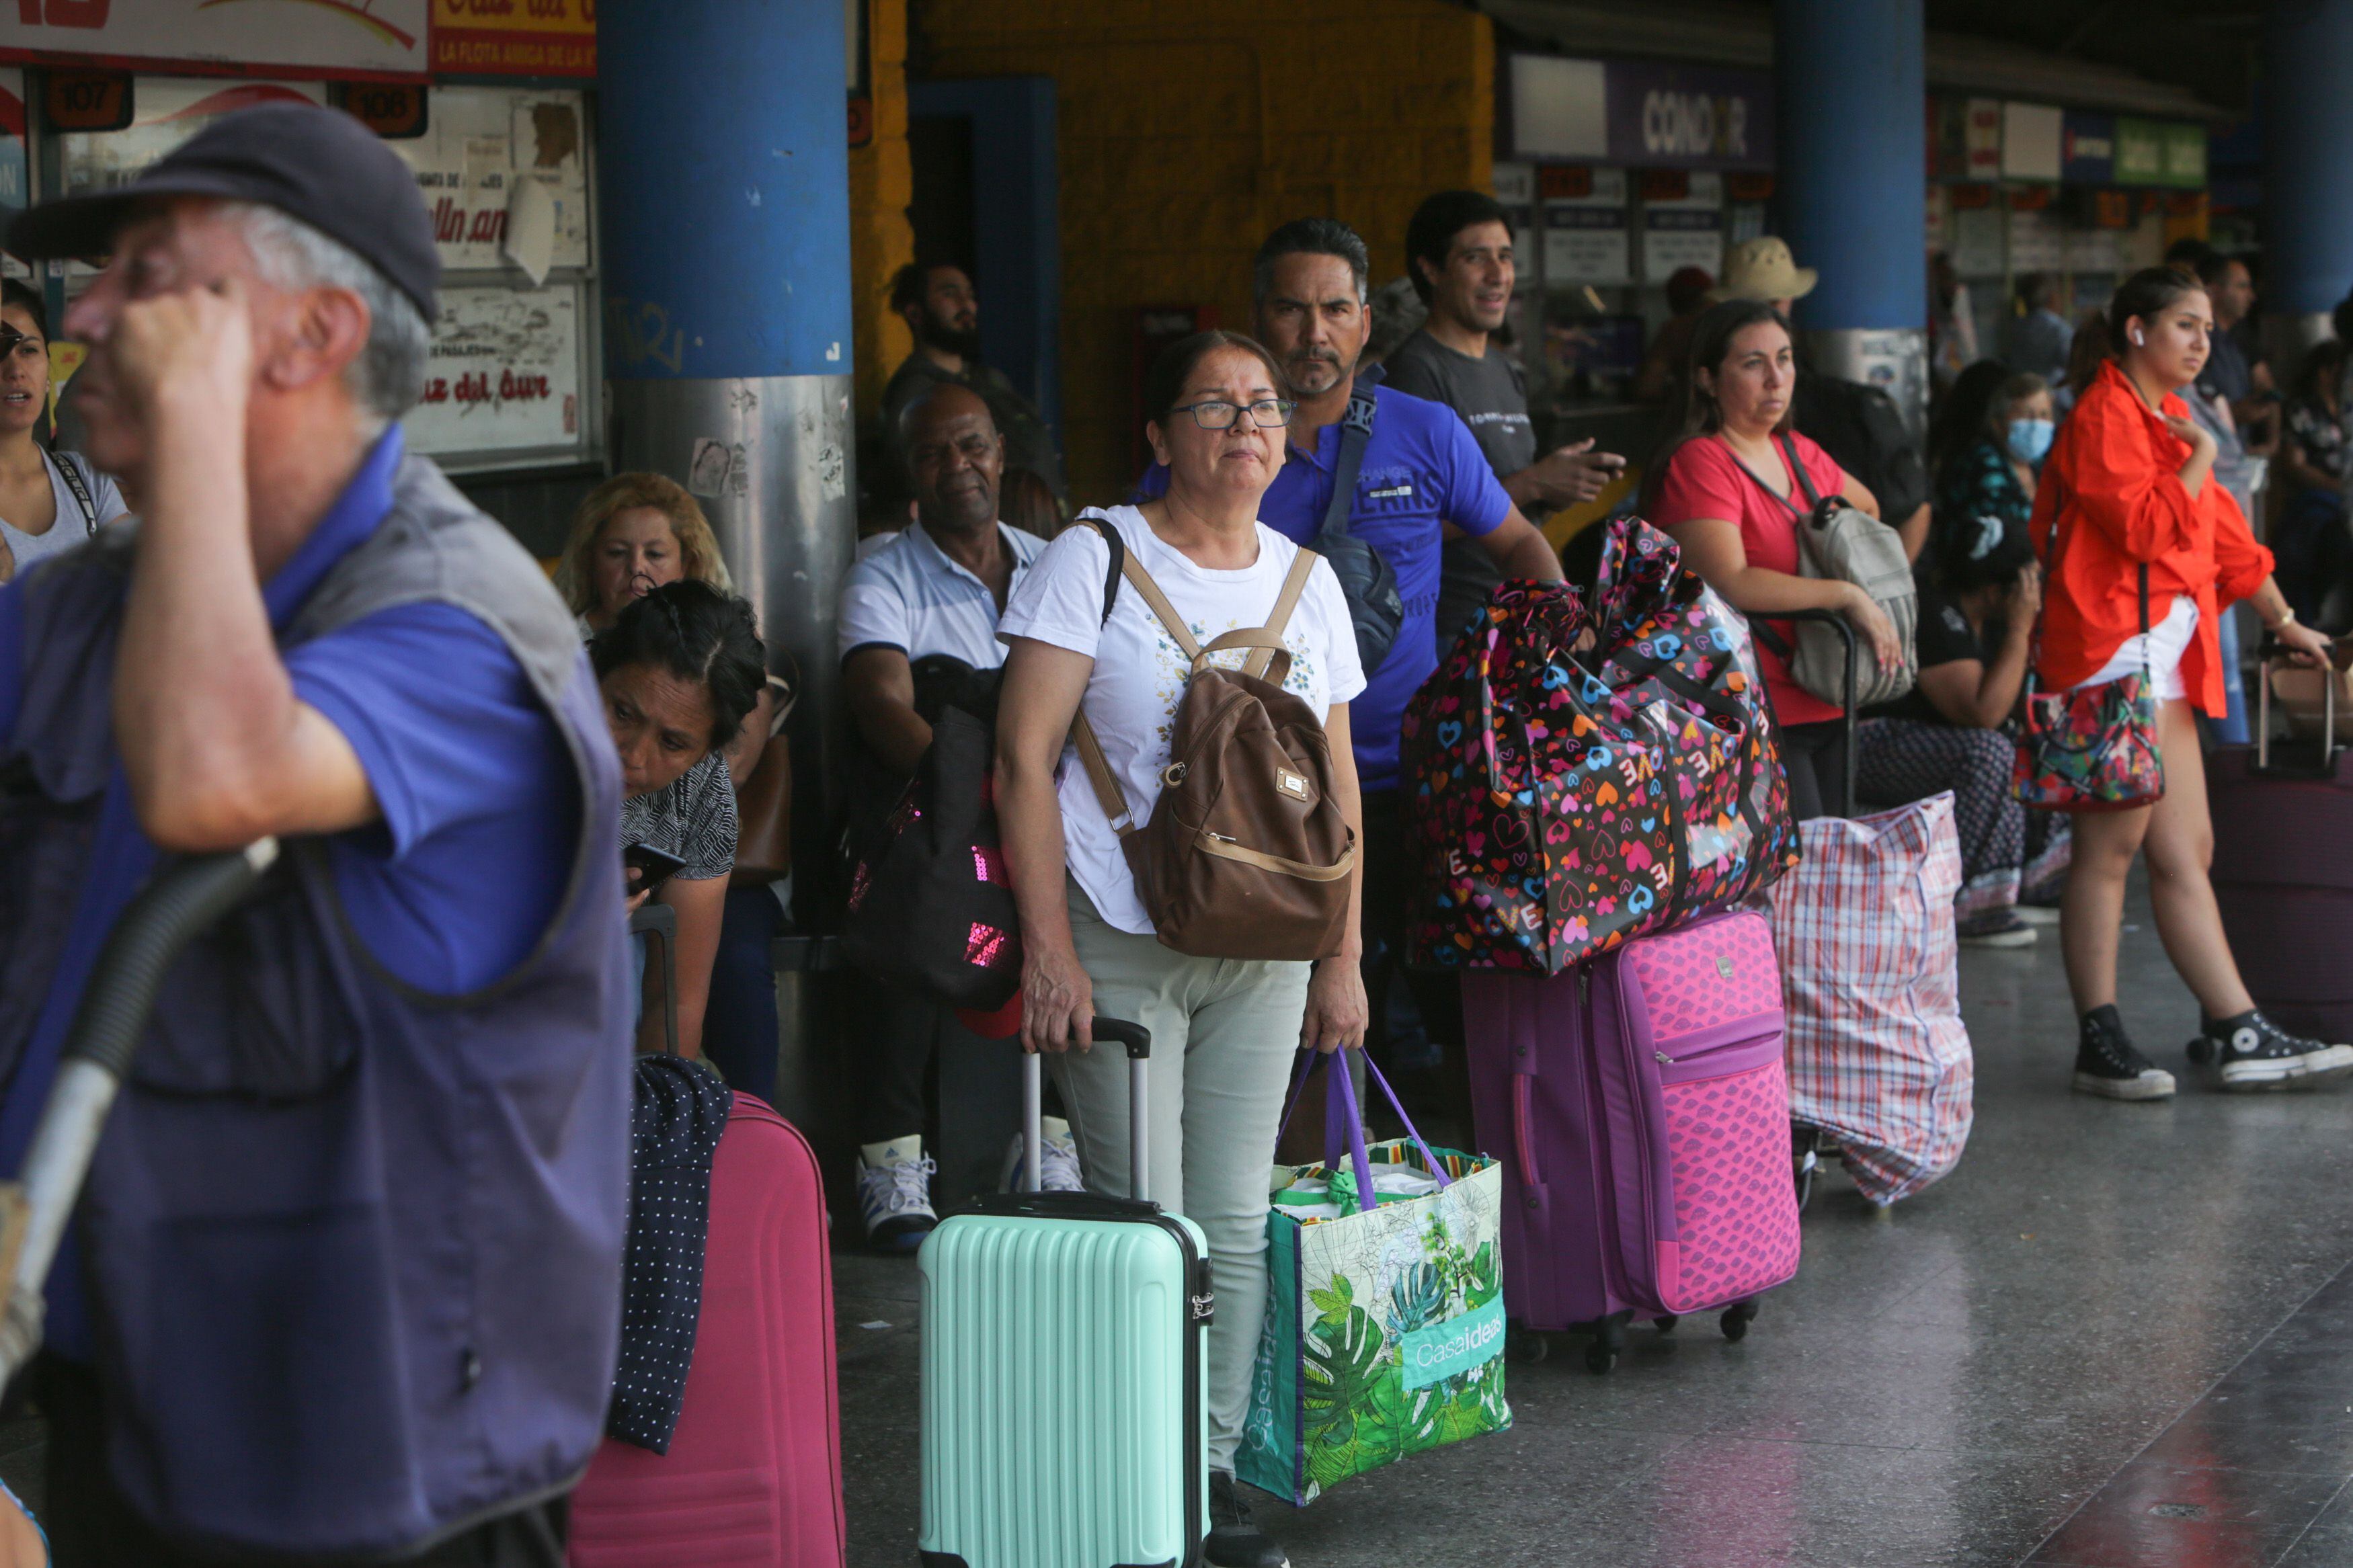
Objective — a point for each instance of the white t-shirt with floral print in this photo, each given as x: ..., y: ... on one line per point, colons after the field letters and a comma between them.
x: 1140, y: 674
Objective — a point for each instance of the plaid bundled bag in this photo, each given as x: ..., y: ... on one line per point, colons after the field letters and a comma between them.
x: 1871, y: 975
x: 1581, y: 773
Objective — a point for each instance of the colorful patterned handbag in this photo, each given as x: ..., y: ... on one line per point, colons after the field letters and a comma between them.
x: 2091, y: 748
x: 1578, y: 774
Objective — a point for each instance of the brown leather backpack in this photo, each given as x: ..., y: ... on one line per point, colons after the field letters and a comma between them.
x: 1247, y: 855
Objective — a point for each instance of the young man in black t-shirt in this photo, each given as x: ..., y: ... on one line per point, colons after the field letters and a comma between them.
x: 1459, y: 255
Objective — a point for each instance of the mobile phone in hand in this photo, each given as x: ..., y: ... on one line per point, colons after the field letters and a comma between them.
x: 654, y: 867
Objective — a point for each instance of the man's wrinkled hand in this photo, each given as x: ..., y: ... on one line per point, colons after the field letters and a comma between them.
x: 192, y: 351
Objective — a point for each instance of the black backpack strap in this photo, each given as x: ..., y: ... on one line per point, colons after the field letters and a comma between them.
x: 1118, y: 548
x: 1355, y: 431
x: 64, y: 463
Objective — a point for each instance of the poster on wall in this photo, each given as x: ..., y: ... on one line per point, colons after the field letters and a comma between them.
x: 1516, y: 192
x: 504, y: 374
x: 512, y: 38
x: 481, y: 142
x: 386, y: 37
x: 1978, y: 242
x: 166, y: 111
x: 2037, y: 242
x: 1685, y: 231
x: 1586, y: 238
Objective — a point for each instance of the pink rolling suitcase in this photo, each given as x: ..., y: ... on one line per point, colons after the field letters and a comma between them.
x: 754, y: 1472
x: 1642, y: 1111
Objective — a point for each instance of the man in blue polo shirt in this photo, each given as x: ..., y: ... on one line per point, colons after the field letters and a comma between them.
x: 345, y: 1281
x: 1424, y: 480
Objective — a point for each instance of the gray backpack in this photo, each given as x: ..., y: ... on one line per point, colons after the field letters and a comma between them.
x: 1840, y: 543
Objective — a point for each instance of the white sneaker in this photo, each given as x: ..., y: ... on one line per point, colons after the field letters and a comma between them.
x: 894, y: 1194
x: 2017, y: 933
x: 1060, y: 1159
x: 2038, y: 914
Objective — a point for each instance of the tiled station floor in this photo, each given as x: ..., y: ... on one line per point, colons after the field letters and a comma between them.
x: 2116, y: 1336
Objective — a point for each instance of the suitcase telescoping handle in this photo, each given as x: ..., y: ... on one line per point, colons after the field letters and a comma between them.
x: 176, y: 909
x: 2271, y: 651
x: 1138, y: 1041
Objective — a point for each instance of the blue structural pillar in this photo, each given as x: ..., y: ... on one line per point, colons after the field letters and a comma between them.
x: 2307, y: 212
x: 723, y: 150
x: 1849, y: 87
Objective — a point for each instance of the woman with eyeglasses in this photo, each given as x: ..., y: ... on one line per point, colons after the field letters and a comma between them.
x: 50, y: 502
x: 1224, y: 1031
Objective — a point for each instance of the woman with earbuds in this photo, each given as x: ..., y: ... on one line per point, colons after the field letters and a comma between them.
x: 2130, y: 493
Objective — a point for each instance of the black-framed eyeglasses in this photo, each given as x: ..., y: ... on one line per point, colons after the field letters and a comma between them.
x: 1215, y: 413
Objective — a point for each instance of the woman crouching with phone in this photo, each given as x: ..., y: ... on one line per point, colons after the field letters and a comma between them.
x: 1225, y: 1031
x: 680, y: 668
x: 2149, y: 552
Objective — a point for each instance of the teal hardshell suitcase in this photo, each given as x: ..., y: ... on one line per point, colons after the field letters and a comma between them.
x: 1065, y: 1341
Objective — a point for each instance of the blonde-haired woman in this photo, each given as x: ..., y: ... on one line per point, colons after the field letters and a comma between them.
x: 633, y: 535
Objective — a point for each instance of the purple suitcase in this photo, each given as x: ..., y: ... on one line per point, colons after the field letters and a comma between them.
x: 1641, y: 1110
x: 2284, y: 872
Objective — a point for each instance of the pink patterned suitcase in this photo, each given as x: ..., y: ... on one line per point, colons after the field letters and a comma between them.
x: 1641, y: 1110
x: 754, y: 1473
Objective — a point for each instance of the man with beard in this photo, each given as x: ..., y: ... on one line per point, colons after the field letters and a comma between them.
x: 943, y: 313
x: 1422, y: 480
x: 918, y: 618
x: 1457, y: 250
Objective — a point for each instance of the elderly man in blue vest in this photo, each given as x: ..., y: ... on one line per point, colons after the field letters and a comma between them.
x: 346, y: 1280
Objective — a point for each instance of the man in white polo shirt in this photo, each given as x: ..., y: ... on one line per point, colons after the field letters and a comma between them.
x: 918, y: 616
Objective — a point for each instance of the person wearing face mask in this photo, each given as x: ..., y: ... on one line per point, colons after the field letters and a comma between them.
x: 633, y: 534
x: 50, y: 502
x: 2138, y: 531
x: 679, y: 669
x: 1979, y: 588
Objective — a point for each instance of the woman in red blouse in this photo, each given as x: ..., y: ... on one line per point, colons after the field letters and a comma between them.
x: 1725, y: 490
x: 2130, y: 489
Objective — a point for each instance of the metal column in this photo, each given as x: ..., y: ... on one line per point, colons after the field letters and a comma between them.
x: 723, y: 144
x: 1851, y: 91
x: 2307, y: 180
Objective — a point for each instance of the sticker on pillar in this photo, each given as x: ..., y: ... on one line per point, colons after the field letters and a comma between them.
x: 832, y: 473
x: 708, y: 469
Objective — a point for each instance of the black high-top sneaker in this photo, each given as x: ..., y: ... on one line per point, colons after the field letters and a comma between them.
x: 2249, y: 1052
x: 1234, y: 1541
x: 2106, y: 1063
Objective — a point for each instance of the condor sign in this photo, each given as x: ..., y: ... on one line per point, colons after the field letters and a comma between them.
x: 1640, y: 113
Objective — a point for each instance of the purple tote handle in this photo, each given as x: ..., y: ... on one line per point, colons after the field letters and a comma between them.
x: 1340, y: 1111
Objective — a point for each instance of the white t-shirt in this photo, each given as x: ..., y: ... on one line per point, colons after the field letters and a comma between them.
x: 2158, y: 651
x: 73, y: 526
x: 909, y: 595
x: 1140, y: 674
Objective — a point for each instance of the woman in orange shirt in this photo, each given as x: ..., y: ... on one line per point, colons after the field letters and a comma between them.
x: 2129, y: 487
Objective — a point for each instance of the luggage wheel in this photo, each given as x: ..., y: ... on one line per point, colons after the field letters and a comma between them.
x: 1805, y: 1160
x: 1527, y: 1346
x: 1736, y: 1319
x: 1666, y: 1325
x: 1608, y: 1339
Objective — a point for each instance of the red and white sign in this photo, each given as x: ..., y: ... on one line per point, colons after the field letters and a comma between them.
x: 1981, y: 136
x: 382, y: 38
x: 515, y: 37
x: 504, y: 375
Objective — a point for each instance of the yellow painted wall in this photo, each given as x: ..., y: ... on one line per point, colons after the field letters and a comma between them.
x: 882, y: 184
x: 1189, y: 131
